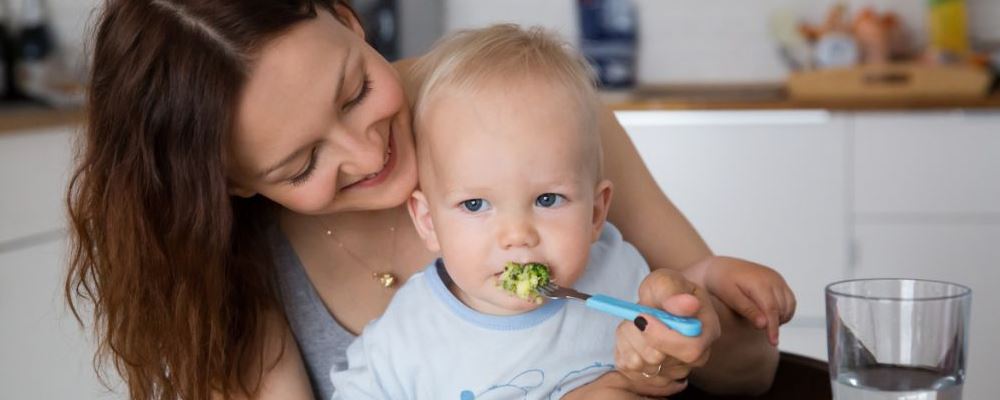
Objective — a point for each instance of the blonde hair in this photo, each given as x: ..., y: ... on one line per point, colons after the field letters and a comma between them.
x: 467, y: 59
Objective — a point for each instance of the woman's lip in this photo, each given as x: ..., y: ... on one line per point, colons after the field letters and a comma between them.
x: 383, y: 174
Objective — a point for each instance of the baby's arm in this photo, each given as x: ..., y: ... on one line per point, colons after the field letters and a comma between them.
x: 611, y: 386
x: 756, y: 292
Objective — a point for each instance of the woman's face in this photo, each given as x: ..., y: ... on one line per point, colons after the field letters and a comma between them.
x: 322, y: 123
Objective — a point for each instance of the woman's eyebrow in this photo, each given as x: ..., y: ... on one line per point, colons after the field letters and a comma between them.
x: 336, y: 93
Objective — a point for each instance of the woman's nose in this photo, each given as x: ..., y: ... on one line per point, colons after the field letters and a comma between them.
x: 518, y: 232
x: 363, y: 152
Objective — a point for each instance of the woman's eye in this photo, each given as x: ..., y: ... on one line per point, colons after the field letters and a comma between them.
x: 303, y: 176
x: 366, y: 87
x: 475, y: 205
x: 548, y: 200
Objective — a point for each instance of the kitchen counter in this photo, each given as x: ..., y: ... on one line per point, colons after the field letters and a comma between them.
x: 23, y: 117
x: 14, y: 118
x: 768, y: 97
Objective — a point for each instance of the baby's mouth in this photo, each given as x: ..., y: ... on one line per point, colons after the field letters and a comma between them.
x: 523, y: 280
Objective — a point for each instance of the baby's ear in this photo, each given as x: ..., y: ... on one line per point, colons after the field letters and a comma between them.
x: 602, y: 204
x: 420, y: 213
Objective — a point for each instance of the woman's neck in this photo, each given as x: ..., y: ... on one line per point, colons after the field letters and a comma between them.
x: 366, y: 222
x: 354, y: 229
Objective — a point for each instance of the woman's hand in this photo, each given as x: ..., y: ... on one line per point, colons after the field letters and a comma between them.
x: 656, y: 359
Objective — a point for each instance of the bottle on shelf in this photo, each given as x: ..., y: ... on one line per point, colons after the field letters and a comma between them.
x: 608, y: 35
x: 33, y: 47
x: 6, y: 55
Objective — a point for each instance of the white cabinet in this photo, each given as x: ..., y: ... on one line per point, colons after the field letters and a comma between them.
x: 44, y: 354
x: 915, y: 194
x: 34, y: 169
x: 768, y: 186
x: 933, y: 163
x: 927, y: 205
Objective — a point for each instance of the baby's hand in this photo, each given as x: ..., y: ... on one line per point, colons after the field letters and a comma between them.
x: 756, y: 292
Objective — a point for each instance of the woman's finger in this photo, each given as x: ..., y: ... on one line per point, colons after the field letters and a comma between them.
x: 633, y: 335
x: 661, y: 284
x: 687, y: 350
x: 676, y: 372
x: 627, y: 359
x: 684, y: 305
x: 635, y: 353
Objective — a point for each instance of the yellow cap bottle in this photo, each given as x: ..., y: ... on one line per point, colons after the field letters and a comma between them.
x: 948, y: 27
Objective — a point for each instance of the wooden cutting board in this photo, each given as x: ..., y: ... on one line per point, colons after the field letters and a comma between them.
x: 890, y: 82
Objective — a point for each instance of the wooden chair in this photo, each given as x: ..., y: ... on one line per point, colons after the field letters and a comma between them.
x: 797, y: 378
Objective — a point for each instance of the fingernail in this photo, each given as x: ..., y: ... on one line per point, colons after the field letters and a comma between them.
x: 640, y: 323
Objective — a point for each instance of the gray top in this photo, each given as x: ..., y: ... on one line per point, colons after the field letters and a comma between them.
x: 321, y: 339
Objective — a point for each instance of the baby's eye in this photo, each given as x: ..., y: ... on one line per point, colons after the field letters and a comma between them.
x: 549, y: 200
x: 475, y: 205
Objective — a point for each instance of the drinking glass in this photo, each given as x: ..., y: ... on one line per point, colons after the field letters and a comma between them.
x: 897, y: 339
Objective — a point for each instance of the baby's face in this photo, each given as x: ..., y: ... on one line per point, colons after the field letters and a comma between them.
x: 507, y: 176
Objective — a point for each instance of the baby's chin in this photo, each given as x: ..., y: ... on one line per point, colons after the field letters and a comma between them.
x: 518, y: 305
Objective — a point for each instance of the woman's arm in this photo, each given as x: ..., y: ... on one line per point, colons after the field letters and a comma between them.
x: 742, y: 360
x: 284, y: 376
x: 649, y: 221
x: 640, y: 210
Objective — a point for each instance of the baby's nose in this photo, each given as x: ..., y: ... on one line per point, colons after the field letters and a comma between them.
x: 518, y: 233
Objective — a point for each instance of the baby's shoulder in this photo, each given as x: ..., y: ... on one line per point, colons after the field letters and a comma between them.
x: 614, y: 266
x: 406, y: 311
x: 611, y: 248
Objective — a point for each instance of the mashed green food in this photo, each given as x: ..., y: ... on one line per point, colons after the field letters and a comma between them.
x: 523, y: 280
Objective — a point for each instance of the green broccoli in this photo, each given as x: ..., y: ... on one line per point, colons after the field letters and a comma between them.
x: 524, y: 280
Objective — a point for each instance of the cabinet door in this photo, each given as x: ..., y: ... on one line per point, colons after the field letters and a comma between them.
x: 762, y: 185
x: 34, y: 169
x: 965, y: 253
x: 920, y: 165
x: 44, y: 352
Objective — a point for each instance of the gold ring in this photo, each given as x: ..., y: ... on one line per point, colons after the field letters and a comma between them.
x: 658, y: 368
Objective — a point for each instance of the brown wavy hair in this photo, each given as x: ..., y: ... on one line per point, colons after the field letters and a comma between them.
x: 178, y: 273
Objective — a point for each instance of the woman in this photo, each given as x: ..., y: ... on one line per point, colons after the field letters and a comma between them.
x: 241, y: 183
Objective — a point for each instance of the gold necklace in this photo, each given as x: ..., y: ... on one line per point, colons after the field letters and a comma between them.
x: 386, y: 279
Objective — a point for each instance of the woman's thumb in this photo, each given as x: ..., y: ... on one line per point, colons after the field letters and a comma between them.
x: 684, y: 305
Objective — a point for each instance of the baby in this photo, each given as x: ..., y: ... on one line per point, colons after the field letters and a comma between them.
x: 510, y: 172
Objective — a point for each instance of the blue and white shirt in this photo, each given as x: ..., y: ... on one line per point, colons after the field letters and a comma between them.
x: 429, y: 345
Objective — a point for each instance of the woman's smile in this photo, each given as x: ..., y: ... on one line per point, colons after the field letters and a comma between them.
x: 376, y: 178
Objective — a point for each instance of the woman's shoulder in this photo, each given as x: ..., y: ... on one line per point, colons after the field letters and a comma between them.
x: 407, y: 77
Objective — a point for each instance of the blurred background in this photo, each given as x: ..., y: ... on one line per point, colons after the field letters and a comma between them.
x: 829, y: 140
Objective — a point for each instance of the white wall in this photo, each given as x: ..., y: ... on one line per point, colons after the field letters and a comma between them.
x: 705, y: 41
x: 683, y: 41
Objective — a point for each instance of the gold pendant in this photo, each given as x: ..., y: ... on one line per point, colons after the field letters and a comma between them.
x: 385, y: 279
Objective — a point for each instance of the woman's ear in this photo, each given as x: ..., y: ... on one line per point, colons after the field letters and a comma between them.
x: 236, y: 189
x: 420, y: 213
x: 602, y: 204
x: 346, y: 15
